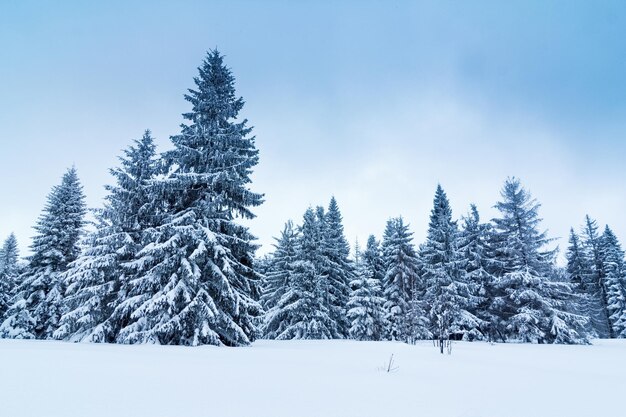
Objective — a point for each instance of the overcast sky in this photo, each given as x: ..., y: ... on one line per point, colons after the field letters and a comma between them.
x: 370, y: 101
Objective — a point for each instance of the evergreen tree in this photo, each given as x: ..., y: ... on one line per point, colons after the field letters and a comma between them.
x: 478, y: 262
x: 280, y: 266
x: 96, y: 282
x: 535, y: 305
x: 570, y: 324
x: 449, y: 297
x: 365, y: 307
x: 36, y: 306
x: 194, y: 281
x: 594, y: 280
x: 401, y: 275
x: 303, y: 310
x: 339, y: 268
x: 9, y: 271
x: 579, y: 268
x: 614, y: 269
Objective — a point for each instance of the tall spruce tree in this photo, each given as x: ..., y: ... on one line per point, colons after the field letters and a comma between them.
x: 579, y: 268
x: 478, y: 263
x: 449, y: 296
x: 195, y: 279
x: 339, y: 268
x: 535, y: 305
x: 400, y: 280
x: 594, y: 281
x: 614, y: 269
x: 97, y: 281
x: 36, y: 307
x: 365, y: 307
x: 9, y: 271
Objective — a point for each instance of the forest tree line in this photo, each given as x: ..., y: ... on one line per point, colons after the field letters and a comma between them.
x: 469, y: 280
x: 167, y: 260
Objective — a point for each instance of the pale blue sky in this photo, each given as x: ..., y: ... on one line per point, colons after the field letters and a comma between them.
x: 374, y: 102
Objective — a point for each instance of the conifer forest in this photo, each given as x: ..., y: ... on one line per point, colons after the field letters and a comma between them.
x: 312, y: 209
x: 167, y: 260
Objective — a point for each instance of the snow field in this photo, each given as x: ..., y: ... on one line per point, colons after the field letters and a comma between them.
x: 311, y: 378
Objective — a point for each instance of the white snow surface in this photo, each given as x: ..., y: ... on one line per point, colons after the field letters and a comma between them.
x: 311, y: 378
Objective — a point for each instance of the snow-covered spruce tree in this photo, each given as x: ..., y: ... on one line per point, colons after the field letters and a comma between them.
x: 36, y: 307
x: 572, y: 326
x: 96, y: 282
x: 448, y: 296
x: 400, y: 280
x: 536, y: 306
x: 303, y: 312
x: 478, y: 263
x: 365, y: 307
x: 339, y: 269
x: 9, y: 271
x: 194, y: 281
x: 579, y: 268
x: 614, y: 269
x: 594, y: 281
x: 280, y: 267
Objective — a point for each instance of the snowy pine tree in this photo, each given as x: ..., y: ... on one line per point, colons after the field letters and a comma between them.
x: 535, y: 303
x: 579, y: 268
x: 339, y: 269
x: 96, y: 282
x: 400, y: 280
x: 478, y: 263
x: 614, y: 269
x: 36, y: 308
x: 365, y: 307
x: 194, y: 279
x: 448, y: 295
x: 594, y: 280
x: 303, y: 310
x: 9, y: 271
x: 280, y: 266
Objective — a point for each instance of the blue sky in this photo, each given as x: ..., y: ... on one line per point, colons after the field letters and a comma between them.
x: 374, y: 102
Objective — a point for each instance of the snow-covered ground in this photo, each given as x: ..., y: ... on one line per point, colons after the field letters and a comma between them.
x: 311, y: 378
